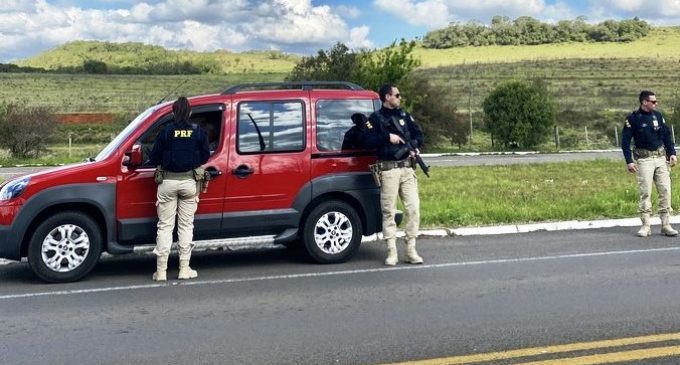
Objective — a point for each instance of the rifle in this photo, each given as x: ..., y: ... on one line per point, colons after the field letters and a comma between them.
x: 421, y: 162
x: 408, y: 147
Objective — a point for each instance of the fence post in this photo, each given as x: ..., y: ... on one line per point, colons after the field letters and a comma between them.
x: 587, y: 141
x: 616, y: 136
x: 557, y: 138
x: 69, y: 145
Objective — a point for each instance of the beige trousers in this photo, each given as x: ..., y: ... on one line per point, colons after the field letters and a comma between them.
x: 175, y: 198
x: 654, y: 170
x: 399, y: 182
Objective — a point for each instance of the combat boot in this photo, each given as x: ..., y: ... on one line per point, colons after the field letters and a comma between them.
x: 392, y: 257
x: 645, y: 230
x: 666, y: 228
x: 161, y: 273
x: 412, y: 256
x: 185, y: 272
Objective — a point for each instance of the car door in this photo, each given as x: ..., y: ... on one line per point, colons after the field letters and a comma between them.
x: 269, y: 164
x: 136, y: 189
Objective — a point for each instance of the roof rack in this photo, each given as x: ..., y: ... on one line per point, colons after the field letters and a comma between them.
x: 303, y: 85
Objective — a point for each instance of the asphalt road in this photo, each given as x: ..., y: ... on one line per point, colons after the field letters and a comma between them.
x: 451, y: 160
x: 513, y: 159
x: 474, y: 295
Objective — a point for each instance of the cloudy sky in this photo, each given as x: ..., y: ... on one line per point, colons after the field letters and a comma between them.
x: 28, y: 27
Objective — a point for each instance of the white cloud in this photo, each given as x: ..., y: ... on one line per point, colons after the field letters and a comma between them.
x: 663, y: 9
x: 358, y: 38
x: 439, y: 13
x: 348, y: 12
x: 30, y: 26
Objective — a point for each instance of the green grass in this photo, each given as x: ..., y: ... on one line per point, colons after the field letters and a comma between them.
x: 488, y: 195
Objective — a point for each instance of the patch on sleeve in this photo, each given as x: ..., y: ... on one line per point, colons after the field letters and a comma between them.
x: 369, y: 125
x: 627, y: 124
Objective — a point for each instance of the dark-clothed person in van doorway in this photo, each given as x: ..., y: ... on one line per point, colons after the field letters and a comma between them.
x: 354, y: 137
x: 178, y: 150
x: 652, y: 159
x: 397, y: 139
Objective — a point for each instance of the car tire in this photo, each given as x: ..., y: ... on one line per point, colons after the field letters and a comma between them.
x: 332, y: 232
x: 65, y: 247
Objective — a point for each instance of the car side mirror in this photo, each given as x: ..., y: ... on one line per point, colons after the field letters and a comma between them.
x: 133, y: 157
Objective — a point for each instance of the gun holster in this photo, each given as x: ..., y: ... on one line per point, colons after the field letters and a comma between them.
x: 159, y: 175
x: 375, y: 172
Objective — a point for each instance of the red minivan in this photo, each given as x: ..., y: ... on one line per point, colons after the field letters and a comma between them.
x: 280, y: 176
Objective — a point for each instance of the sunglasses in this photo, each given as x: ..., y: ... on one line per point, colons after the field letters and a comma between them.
x: 652, y: 101
x: 398, y: 96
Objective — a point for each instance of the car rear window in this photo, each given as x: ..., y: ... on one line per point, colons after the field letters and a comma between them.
x: 333, y: 121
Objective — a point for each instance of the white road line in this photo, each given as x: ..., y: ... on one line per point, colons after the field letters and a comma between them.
x: 337, y: 273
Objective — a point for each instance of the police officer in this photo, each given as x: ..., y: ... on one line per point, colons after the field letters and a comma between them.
x: 397, y: 139
x: 654, y: 152
x: 178, y: 149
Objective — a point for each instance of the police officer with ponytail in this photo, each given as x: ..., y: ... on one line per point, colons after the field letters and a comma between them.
x: 177, y: 151
x: 397, y: 139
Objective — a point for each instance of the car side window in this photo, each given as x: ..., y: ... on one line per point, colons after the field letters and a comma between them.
x: 149, y: 137
x: 270, y: 126
x: 209, y: 120
x: 334, y: 122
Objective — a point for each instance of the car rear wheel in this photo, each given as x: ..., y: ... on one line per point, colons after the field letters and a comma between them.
x: 332, y: 232
x: 65, y: 247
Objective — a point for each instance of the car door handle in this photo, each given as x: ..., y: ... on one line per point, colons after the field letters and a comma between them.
x: 242, y: 171
x: 213, y: 171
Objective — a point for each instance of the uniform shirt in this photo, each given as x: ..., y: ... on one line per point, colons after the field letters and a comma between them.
x: 385, y: 121
x: 180, y: 148
x: 648, y: 130
x: 354, y: 138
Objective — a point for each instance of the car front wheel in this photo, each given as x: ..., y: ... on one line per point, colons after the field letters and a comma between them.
x: 65, y: 247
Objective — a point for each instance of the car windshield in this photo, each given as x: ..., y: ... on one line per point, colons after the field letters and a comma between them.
x: 122, y: 136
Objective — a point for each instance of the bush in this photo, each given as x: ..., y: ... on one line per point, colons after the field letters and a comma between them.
x: 438, y: 118
x: 95, y: 67
x: 25, y: 131
x: 520, y: 114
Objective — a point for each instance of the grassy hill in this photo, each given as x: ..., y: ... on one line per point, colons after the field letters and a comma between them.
x: 71, y: 93
x: 662, y: 43
x: 140, y: 56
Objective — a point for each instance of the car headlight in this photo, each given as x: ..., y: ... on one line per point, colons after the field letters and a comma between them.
x: 14, y: 188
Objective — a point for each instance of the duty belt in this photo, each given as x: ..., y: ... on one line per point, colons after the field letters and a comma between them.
x: 389, y: 165
x: 644, y: 153
x: 186, y: 175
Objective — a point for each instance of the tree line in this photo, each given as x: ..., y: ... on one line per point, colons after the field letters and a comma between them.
x: 526, y: 30
x: 89, y: 66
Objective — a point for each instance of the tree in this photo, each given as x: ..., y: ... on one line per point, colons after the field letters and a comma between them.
x: 438, y: 118
x: 389, y: 65
x: 337, y: 64
x: 369, y: 69
x: 519, y: 113
x: 24, y: 131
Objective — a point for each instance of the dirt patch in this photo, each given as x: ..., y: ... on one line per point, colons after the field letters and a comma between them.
x: 86, y: 118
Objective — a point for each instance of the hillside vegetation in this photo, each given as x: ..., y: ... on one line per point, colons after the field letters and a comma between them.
x: 141, y: 58
x: 71, y: 93
x: 531, y: 31
x: 661, y: 43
